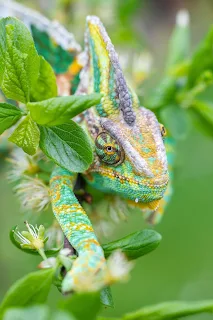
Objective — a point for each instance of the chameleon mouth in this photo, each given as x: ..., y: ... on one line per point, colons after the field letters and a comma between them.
x: 152, y: 205
x: 154, y: 183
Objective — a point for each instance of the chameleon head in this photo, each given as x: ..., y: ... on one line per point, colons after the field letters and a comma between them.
x: 131, y: 160
x: 130, y: 157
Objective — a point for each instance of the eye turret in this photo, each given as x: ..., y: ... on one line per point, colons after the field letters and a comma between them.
x: 108, y: 149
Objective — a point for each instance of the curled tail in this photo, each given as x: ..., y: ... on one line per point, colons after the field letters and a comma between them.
x: 89, y: 268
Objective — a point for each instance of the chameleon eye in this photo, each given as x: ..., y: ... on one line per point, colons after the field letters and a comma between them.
x: 163, y: 131
x: 108, y: 149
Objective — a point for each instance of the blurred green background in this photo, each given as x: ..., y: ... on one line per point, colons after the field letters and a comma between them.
x: 182, y: 266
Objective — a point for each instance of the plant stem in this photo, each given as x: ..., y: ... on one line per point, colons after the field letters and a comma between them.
x: 42, y: 254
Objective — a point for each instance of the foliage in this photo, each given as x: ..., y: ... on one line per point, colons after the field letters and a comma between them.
x: 22, y: 73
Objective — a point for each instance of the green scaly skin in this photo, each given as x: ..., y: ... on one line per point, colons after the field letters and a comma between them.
x: 129, y: 155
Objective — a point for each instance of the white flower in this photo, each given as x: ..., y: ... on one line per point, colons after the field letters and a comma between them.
x: 65, y: 252
x: 33, y: 194
x: 48, y: 263
x: 19, y: 164
x: 33, y: 238
x: 22, y: 164
x: 118, y: 267
x: 64, y: 258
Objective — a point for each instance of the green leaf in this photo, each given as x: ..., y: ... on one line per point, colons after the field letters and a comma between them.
x: 201, y: 123
x: 9, y: 115
x: 38, y: 312
x: 45, y: 87
x: 202, y: 60
x: 32, y: 313
x: 56, y: 111
x: 67, y: 145
x: 166, y: 91
x: 48, y: 253
x: 26, y: 136
x: 175, y: 120
x: 134, y: 245
x: 163, y: 94
x: 171, y: 310
x: 61, y: 315
x: 106, y: 297
x: 205, y: 109
x: 31, y: 289
x: 19, y: 61
x: 103, y: 318
x: 180, y: 40
x: 82, y: 306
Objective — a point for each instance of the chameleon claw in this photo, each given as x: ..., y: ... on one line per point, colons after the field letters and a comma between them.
x: 91, y: 273
x: 88, y: 274
x: 67, y: 284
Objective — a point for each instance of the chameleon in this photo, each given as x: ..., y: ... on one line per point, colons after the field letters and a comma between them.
x: 131, y: 152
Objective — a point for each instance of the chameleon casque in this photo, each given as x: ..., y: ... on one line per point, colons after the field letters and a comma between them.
x: 129, y: 145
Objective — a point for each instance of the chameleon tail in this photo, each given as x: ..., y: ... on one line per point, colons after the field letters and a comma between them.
x: 78, y: 230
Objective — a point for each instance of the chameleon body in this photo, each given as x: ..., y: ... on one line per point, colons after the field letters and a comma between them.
x: 129, y: 151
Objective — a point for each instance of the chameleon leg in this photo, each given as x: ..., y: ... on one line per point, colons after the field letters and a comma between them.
x: 78, y: 230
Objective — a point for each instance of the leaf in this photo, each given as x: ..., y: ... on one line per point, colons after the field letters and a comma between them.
x: 61, y: 315
x: 163, y: 94
x: 170, y: 310
x: 19, y: 61
x: 134, y: 245
x: 56, y: 111
x: 45, y: 87
x: 48, y: 253
x: 106, y: 297
x: 175, y: 120
x: 38, y: 312
x: 103, y: 318
x: 201, y: 123
x: 32, y: 313
x: 178, y: 51
x: 9, y: 115
x: 67, y: 145
x: 31, y: 289
x: 82, y: 306
x: 26, y: 136
x: 205, y: 109
x: 180, y: 40
x: 202, y: 60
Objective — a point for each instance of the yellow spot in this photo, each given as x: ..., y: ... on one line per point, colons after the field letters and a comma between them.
x: 75, y: 67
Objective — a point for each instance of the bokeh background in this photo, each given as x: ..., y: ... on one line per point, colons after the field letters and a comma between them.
x: 182, y: 266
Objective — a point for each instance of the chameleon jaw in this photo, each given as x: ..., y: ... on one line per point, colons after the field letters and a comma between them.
x: 109, y: 181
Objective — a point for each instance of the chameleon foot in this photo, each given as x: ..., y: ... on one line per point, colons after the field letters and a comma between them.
x: 88, y: 273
